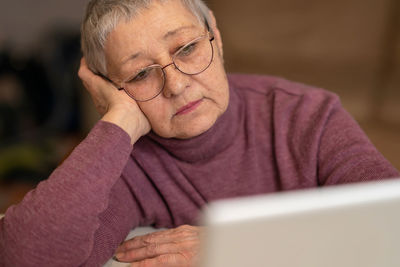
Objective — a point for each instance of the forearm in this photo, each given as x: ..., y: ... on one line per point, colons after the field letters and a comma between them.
x: 56, y: 222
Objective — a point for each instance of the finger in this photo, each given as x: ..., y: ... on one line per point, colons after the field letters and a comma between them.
x: 168, y: 260
x: 88, y: 77
x: 187, y: 247
x: 185, y: 232
x: 83, y: 69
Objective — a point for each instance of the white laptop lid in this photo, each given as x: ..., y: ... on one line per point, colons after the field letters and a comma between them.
x: 339, y: 226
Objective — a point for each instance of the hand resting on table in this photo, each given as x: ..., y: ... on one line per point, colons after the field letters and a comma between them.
x: 172, y: 247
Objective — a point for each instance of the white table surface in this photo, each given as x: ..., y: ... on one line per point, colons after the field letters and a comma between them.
x: 133, y: 233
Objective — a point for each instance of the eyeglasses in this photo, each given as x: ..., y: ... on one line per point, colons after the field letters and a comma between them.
x: 191, y: 59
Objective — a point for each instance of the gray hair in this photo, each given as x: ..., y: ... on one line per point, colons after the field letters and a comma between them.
x: 102, y: 16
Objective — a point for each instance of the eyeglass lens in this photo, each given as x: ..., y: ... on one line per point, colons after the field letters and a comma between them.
x: 191, y: 59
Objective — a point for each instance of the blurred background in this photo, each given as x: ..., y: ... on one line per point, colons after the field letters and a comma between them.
x: 350, y: 47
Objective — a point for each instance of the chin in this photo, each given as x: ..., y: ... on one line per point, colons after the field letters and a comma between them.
x: 193, y: 132
x: 189, y: 130
x: 191, y: 125
x: 199, y: 127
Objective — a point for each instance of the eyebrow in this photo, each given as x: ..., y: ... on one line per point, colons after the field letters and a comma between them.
x: 173, y: 32
x: 131, y: 57
x: 166, y: 36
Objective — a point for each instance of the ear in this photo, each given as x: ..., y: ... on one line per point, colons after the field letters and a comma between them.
x: 217, y: 34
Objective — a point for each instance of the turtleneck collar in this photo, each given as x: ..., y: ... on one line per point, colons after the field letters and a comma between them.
x: 209, y: 143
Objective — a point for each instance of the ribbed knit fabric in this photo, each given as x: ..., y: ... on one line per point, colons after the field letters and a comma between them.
x: 276, y: 135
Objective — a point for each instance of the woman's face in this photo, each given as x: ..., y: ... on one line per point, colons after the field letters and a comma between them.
x: 189, y: 104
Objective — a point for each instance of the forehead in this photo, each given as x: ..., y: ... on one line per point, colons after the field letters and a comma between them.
x: 151, y: 27
x: 160, y: 13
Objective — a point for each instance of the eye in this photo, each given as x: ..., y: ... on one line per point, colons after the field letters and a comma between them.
x: 140, y: 76
x: 188, y: 49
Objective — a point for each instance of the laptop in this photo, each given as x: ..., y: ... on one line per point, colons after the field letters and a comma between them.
x: 355, y: 225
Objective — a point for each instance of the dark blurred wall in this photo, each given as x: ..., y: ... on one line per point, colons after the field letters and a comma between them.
x: 41, y: 107
x: 339, y: 45
x: 23, y: 23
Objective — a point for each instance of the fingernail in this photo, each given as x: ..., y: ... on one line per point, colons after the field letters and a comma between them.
x: 118, y: 256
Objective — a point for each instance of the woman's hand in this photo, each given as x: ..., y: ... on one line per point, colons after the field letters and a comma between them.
x: 173, y: 247
x: 114, y: 105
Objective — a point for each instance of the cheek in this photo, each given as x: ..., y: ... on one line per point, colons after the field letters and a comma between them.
x: 216, y: 83
x: 156, y: 112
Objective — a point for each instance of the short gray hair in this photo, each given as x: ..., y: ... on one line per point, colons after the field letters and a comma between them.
x: 102, y: 16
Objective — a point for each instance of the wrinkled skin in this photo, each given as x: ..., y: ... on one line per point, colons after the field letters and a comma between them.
x: 173, y: 247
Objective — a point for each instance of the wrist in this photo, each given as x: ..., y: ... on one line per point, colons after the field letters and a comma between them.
x: 129, y: 122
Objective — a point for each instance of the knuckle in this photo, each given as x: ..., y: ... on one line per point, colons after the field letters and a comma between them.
x: 148, y: 239
x: 187, y: 256
x: 147, y: 263
x: 81, y: 74
x: 186, y: 230
x: 81, y: 71
x: 152, y: 248
x: 166, y: 259
x: 185, y: 227
x: 181, y: 235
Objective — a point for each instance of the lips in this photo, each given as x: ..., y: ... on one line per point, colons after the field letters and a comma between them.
x: 189, y: 107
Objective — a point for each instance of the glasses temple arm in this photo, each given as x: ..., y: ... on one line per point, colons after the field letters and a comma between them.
x: 110, y: 81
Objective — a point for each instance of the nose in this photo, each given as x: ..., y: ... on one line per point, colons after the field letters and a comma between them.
x: 175, y: 81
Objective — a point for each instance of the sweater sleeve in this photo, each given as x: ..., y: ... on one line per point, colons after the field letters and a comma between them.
x: 74, y: 217
x: 345, y: 153
x: 318, y: 143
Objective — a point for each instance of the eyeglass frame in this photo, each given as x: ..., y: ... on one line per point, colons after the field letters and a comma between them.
x: 210, y: 39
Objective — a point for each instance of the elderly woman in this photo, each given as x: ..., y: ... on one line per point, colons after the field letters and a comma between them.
x: 155, y: 72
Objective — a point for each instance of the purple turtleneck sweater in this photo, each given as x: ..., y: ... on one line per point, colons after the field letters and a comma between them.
x: 275, y: 135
